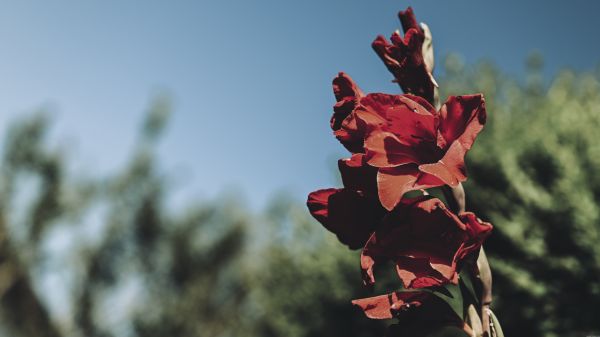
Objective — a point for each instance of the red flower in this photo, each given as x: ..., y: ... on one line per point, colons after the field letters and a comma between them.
x: 354, y: 112
x: 404, y: 57
x: 343, y: 123
x: 413, y: 145
x: 353, y: 212
x: 390, y: 305
x: 425, y: 240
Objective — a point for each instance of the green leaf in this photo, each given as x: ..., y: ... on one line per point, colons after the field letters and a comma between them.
x: 452, y: 295
x: 467, y: 283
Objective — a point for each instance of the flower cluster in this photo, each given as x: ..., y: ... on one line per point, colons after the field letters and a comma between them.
x: 402, y: 143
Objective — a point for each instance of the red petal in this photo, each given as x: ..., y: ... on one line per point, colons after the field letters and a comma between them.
x: 367, y: 260
x: 344, y: 87
x: 369, y: 119
x: 404, y: 117
x: 404, y: 57
x: 424, y: 239
x: 461, y: 118
x: 408, y: 20
x: 418, y: 273
x: 318, y: 202
x: 348, y: 214
x: 381, y: 47
x: 384, y: 149
x: 358, y: 175
x: 394, y: 182
x: 350, y: 134
x: 412, y: 41
x: 477, y: 232
x: 475, y: 227
x: 442, y: 172
x: 388, y: 306
x: 342, y: 122
x: 341, y: 110
x: 424, y: 104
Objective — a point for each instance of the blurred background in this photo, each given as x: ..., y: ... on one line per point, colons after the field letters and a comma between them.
x: 156, y: 158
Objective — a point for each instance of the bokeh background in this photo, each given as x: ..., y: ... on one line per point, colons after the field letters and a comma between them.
x: 156, y: 157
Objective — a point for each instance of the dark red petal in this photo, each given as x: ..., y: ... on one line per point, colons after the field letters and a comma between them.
x: 351, y: 134
x: 461, y: 119
x: 424, y: 104
x: 384, y: 149
x: 367, y: 260
x: 318, y: 203
x: 404, y: 57
x: 406, y: 118
x: 412, y: 41
x: 418, y: 273
x: 347, y: 213
x: 423, y: 237
x: 394, y: 182
x: 442, y: 172
x: 454, y: 161
x: 342, y: 123
x: 344, y: 87
x: 475, y: 227
x: 445, y: 266
x: 369, y: 119
x: 381, y: 47
x: 341, y: 110
x: 390, y: 305
x: 408, y: 20
x: 358, y: 175
x: 477, y: 232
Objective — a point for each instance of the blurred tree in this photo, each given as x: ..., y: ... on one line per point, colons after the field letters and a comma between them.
x: 534, y: 174
x: 136, y: 267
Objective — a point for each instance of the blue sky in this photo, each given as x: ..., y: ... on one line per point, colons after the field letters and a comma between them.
x: 250, y: 80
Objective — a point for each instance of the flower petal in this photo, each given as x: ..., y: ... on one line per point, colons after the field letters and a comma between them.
x: 358, y: 175
x: 418, y: 273
x: 390, y: 305
x: 367, y: 261
x: 454, y: 161
x: 347, y: 213
x: 394, y: 182
x: 425, y: 240
x: 408, y: 20
x: 410, y: 121
x: 350, y: 135
x: 384, y: 149
x: 442, y: 172
x: 347, y: 94
x: 404, y: 57
x: 344, y: 87
x: 477, y: 232
x: 461, y: 118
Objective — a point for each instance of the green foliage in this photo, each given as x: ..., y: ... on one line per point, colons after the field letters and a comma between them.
x: 534, y: 175
x: 216, y: 269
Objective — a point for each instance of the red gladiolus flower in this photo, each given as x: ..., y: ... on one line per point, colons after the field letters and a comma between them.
x: 413, y: 145
x: 354, y: 112
x: 352, y: 213
x: 343, y: 123
x: 425, y: 240
x: 390, y: 305
x: 404, y: 57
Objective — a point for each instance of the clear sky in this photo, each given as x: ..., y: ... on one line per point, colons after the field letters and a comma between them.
x: 250, y: 80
